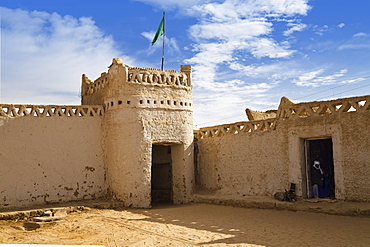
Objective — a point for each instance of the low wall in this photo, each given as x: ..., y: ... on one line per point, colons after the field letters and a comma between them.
x: 50, y: 154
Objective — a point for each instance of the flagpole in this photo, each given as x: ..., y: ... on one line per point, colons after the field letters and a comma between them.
x: 164, y: 34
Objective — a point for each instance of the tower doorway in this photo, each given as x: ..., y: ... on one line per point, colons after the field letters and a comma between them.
x: 161, y: 179
x: 319, y: 152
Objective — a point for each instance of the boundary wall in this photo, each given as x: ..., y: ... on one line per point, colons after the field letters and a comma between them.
x: 50, y: 154
x: 261, y: 157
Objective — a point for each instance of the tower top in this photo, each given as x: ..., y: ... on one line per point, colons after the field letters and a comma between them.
x: 124, y: 80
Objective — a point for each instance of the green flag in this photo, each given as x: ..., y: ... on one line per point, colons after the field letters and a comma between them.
x: 160, y: 31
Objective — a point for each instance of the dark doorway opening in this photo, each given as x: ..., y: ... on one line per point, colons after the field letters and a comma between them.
x: 320, y: 151
x: 161, y: 180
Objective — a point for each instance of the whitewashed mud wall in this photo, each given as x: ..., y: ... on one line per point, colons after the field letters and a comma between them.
x: 243, y: 163
x: 50, y: 154
x: 259, y: 158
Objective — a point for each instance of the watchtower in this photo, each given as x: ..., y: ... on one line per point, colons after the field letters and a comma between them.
x: 147, y: 132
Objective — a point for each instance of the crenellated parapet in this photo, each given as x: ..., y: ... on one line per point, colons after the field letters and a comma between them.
x: 236, y: 128
x: 124, y: 80
x: 158, y: 77
x: 90, y: 87
x: 289, y: 110
x: 13, y: 111
x: 322, y: 108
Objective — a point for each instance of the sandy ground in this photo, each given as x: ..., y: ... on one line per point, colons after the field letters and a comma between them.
x: 195, y: 225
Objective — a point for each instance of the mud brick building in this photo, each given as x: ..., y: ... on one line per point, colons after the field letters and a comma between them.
x: 132, y: 140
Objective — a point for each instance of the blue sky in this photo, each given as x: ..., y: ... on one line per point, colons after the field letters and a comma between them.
x: 244, y: 53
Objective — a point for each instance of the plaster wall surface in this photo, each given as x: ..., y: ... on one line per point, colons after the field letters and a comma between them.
x: 249, y: 164
x: 129, y: 136
x: 356, y: 156
x: 50, y: 159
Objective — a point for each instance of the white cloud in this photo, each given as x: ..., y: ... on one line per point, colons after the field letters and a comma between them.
x: 312, y: 78
x: 341, y: 25
x: 306, y: 78
x: 235, y: 30
x: 264, y: 47
x: 252, y: 8
x: 359, y: 41
x: 171, y: 4
x: 360, y: 35
x: 351, y: 81
x: 271, y: 72
x: 354, y: 46
x: 45, y: 55
x: 295, y: 27
x: 206, y: 60
x: 321, y: 30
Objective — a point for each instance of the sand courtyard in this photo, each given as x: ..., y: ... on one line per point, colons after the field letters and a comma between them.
x: 193, y: 225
